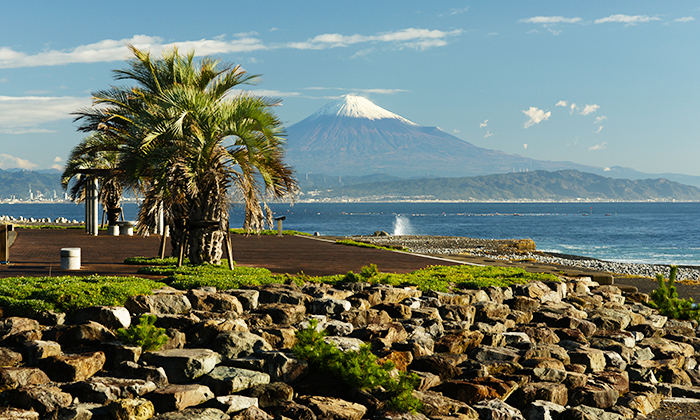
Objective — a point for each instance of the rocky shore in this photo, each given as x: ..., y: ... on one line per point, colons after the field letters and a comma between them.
x: 559, y: 350
x: 518, y: 250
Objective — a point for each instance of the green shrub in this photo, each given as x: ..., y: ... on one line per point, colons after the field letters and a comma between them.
x: 366, y: 245
x: 153, y: 261
x: 665, y: 299
x: 358, y: 369
x: 268, y: 232
x: 145, y: 335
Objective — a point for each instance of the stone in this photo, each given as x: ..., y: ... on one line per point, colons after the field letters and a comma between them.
x: 102, y: 390
x: 234, y: 344
x: 333, y: 408
x: 21, y: 377
x: 247, y: 298
x: 491, y: 312
x: 665, y: 349
x: 496, y: 409
x: 113, y: 317
x: 231, y: 403
x: 166, y: 301
x: 584, y: 412
x: 37, y: 350
x: 88, y: 334
x: 283, y: 313
x: 490, y: 353
x: 278, y: 338
x: 179, y: 397
x: 9, y: 357
x: 292, y: 410
x: 460, y: 342
x: 643, y: 403
x: 360, y: 318
x: 10, y: 413
x: 271, y: 394
x: 283, y: 367
x: 345, y: 344
x: 596, y: 394
x: 116, y: 353
x: 252, y: 413
x: 214, y: 302
x: 155, y: 374
x: 131, y: 409
x: 183, y: 365
x: 543, y: 410
x: 478, y: 389
x: 330, y: 307
x: 224, y: 380
x: 194, y: 414
x: 42, y: 399
x: 610, y: 319
x: 437, y: 365
x: 397, y: 311
x: 281, y: 293
x: 72, y: 368
x: 593, y: 359
x: 552, y: 392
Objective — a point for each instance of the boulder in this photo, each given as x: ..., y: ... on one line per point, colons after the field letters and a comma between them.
x: 183, y: 365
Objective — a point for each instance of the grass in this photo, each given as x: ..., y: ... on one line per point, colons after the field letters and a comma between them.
x: 366, y: 245
x: 268, y: 232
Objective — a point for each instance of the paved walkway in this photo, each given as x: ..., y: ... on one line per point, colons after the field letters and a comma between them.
x: 36, y: 252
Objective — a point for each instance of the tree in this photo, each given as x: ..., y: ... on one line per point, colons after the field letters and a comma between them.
x: 188, y: 141
x: 96, y: 156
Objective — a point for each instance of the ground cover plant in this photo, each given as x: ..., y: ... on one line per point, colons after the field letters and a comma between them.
x: 24, y: 295
x: 267, y: 232
x: 357, y: 369
x: 366, y: 245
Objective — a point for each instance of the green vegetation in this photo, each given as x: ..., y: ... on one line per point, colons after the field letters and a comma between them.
x: 665, y: 299
x: 267, y: 232
x: 20, y: 225
x: 447, y: 278
x: 153, y: 261
x: 219, y: 276
x: 26, y: 295
x: 145, y: 335
x: 358, y: 369
x: 366, y: 245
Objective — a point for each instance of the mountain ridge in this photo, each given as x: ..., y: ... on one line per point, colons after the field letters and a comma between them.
x: 564, y: 185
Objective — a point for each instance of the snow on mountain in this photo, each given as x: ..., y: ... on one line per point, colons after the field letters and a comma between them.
x: 354, y: 106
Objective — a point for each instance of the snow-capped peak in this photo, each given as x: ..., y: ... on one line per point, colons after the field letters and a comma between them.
x: 354, y: 106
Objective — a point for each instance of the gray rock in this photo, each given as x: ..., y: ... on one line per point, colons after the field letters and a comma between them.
x: 179, y: 397
x: 194, y: 414
x: 183, y: 365
x: 224, y: 380
x: 235, y: 344
x: 497, y: 410
x: 113, y: 317
x: 37, y: 350
x: 164, y: 302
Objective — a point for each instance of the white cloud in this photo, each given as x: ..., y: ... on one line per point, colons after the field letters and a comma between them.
x: 116, y: 50
x: 58, y: 159
x: 488, y: 134
x: 600, y: 119
x: 600, y: 146
x: 484, y: 124
x: 685, y: 19
x: 572, y: 108
x: 536, y: 116
x: 272, y: 93
x: 417, y: 38
x: 455, y: 131
x: 23, y: 114
x: 546, y: 20
x: 589, y: 109
x: 376, y: 90
x: 628, y: 19
x: 57, y: 166
x: 525, y: 146
x: 607, y: 169
x: 9, y: 162
x: 561, y: 103
x: 600, y: 128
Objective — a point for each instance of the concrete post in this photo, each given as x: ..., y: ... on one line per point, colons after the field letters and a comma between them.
x: 91, y: 207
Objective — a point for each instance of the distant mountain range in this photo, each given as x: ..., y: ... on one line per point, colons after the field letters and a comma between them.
x: 565, y: 185
x: 353, y: 137
x: 17, y: 183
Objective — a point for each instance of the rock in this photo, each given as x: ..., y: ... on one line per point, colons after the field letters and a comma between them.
x: 224, y: 380
x: 37, y: 350
x: 9, y: 357
x: 234, y: 344
x: 283, y: 313
x: 642, y: 403
x: 478, y: 389
x: 179, y: 397
x: 42, y: 399
x: 283, y: 367
x: 102, y: 390
x: 183, y: 365
x: 593, y: 359
x: 232, y: 403
x: 72, y: 368
x: 497, y: 410
x: 88, y: 334
x: 164, y: 302
x: 113, y: 317
x: 281, y: 293
x: 194, y: 414
x: 252, y: 413
x: 247, y: 298
x: 131, y: 409
x: 552, y: 392
x: 21, y: 377
x: 543, y: 410
x: 595, y: 394
x: 271, y: 394
x: 436, y: 404
x: 584, y: 412
x: 460, y: 342
x: 214, y: 302
x: 10, y: 413
x: 147, y: 373
x: 330, y: 307
x: 334, y: 408
x: 360, y: 318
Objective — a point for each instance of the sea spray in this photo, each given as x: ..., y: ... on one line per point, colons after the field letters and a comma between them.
x: 402, y: 226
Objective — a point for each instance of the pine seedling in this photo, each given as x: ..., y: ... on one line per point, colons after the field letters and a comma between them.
x: 145, y: 335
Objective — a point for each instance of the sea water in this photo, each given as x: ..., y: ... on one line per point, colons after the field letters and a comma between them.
x: 664, y: 233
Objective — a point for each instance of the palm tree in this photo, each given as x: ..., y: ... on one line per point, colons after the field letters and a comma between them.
x: 96, y: 156
x: 188, y: 141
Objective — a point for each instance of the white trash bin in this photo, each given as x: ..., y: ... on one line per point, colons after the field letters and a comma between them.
x: 70, y: 258
x: 113, y: 230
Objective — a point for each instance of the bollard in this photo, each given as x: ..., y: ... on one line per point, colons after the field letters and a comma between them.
x: 126, y: 228
x: 279, y: 224
x: 113, y: 230
x: 70, y: 258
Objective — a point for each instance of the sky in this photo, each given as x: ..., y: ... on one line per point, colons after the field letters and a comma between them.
x: 596, y: 83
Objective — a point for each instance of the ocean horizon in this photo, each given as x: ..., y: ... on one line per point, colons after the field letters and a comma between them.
x: 646, y: 232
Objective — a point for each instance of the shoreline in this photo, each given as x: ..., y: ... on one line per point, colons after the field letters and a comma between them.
x: 504, y: 249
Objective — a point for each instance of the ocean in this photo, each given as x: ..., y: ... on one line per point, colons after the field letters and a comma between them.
x: 657, y: 233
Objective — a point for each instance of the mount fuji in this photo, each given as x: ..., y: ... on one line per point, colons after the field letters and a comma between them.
x: 353, y: 137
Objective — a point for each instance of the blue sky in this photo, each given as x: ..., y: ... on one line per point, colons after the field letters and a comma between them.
x: 597, y: 83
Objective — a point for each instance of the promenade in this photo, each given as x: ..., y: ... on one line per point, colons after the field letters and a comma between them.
x: 36, y: 252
